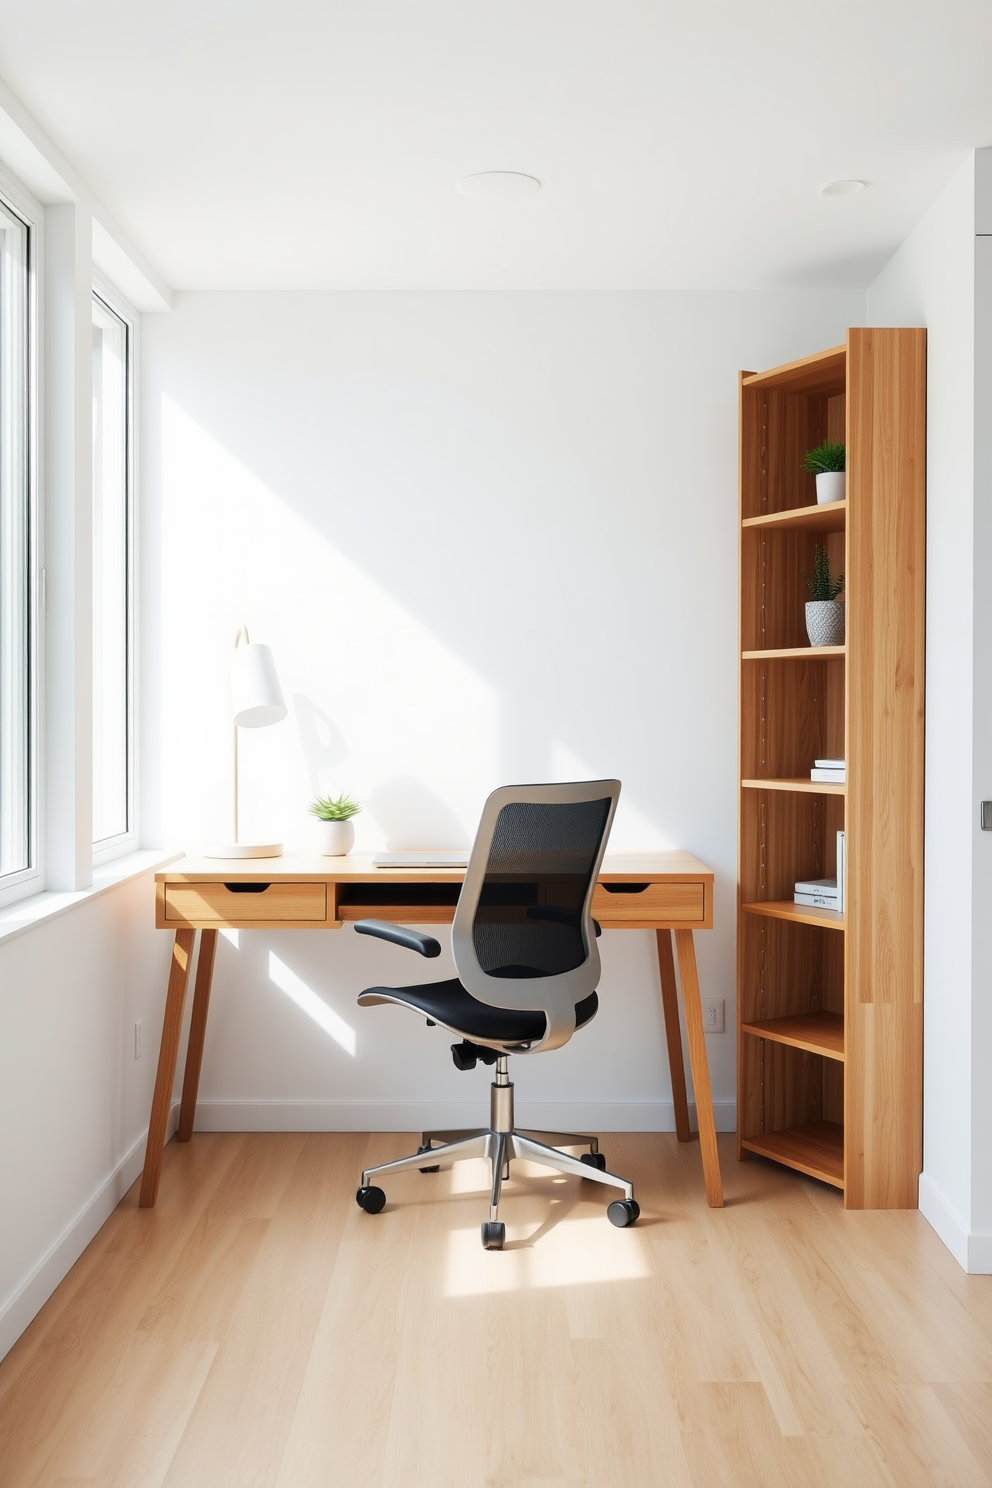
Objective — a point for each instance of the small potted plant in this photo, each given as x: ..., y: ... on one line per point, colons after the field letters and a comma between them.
x: 828, y: 463
x: 337, y: 835
x: 824, y: 611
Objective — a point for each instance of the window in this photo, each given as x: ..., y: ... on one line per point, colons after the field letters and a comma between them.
x: 112, y: 608
x: 17, y: 679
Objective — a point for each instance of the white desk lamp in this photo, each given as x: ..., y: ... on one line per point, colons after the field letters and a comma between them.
x: 256, y: 700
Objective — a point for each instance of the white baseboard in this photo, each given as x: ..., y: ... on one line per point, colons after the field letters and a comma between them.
x: 972, y: 1252
x: 24, y: 1304
x: 420, y: 1115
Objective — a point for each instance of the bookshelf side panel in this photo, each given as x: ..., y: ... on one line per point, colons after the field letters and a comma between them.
x: 886, y: 413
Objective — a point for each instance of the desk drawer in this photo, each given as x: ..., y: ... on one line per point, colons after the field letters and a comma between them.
x: 682, y: 902
x: 216, y: 903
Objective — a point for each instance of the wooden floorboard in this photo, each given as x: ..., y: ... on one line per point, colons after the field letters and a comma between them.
x: 257, y: 1330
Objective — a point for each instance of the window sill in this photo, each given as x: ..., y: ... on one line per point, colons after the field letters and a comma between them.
x: 28, y: 913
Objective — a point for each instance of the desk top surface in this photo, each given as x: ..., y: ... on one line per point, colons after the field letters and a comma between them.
x: 672, y: 866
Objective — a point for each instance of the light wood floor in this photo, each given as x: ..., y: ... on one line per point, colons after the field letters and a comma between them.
x: 258, y: 1329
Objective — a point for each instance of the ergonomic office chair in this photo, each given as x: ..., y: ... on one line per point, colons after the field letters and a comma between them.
x: 524, y: 945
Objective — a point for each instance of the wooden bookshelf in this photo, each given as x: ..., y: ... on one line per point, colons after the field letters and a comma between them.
x: 829, y: 1003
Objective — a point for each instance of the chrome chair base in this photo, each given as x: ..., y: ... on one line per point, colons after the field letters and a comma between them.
x: 501, y: 1143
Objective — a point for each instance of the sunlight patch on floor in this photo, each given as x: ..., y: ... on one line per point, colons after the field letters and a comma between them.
x: 573, y: 1253
x: 315, y: 1007
x: 472, y: 1175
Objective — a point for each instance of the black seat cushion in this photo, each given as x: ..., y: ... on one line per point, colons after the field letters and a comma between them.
x: 448, y: 1002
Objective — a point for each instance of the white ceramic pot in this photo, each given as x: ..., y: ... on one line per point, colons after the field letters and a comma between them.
x: 825, y: 622
x: 831, y: 485
x: 335, y: 838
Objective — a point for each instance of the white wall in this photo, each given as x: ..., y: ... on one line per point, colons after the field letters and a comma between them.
x: 941, y: 277
x: 74, y: 1100
x: 490, y: 538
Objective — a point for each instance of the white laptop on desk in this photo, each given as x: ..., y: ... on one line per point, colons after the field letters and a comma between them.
x: 421, y: 859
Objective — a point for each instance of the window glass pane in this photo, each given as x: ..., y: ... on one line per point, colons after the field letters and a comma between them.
x: 110, y: 574
x: 15, y: 535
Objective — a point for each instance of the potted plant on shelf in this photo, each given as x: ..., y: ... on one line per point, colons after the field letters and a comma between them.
x: 828, y: 463
x: 337, y: 835
x: 824, y: 611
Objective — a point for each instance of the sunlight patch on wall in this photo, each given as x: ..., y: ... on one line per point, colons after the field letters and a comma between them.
x: 380, y: 706
x: 575, y: 1252
x: 315, y: 1007
x: 233, y: 937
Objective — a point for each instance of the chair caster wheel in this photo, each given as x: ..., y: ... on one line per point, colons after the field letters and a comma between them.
x: 623, y: 1212
x: 372, y: 1200
x: 594, y: 1160
x: 493, y: 1234
x: 437, y: 1166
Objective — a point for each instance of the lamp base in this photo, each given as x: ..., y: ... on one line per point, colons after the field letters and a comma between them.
x: 244, y: 850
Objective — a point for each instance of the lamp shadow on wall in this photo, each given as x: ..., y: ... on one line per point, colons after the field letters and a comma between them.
x: 322, y: 742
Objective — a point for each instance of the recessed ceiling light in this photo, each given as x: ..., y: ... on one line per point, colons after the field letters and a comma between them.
x: 498, y: 185
x: 842, y: 188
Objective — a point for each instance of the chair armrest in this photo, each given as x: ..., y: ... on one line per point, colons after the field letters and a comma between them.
x: 401, y: 935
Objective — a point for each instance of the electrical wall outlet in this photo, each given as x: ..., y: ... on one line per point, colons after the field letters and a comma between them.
x: 714, y: 1016
x: 137, y: 1038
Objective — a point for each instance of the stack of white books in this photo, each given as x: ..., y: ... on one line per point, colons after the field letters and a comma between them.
x: 832, y: 770
x: 821, y: 892
x: 825, y: 893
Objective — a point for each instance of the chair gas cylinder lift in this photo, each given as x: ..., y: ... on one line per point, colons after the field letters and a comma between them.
x: 524, y: 946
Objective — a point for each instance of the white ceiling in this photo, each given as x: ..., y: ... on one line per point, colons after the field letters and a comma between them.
x: 316, y: 143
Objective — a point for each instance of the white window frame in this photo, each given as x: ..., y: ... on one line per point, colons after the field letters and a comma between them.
x: 126, y: 842
x: 31, y: 880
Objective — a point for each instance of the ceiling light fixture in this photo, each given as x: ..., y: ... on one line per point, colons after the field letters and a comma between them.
x: 498, y: 185
x: 842, y: 188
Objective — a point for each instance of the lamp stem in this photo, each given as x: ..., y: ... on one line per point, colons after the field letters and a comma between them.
x: 242, y: 631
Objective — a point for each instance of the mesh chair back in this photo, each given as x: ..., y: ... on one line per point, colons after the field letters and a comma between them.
x: 523, y: 935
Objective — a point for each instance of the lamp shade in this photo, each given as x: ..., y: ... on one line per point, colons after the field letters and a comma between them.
x: 256, y: 697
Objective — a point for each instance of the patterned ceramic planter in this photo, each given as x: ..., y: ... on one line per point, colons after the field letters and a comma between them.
x: 335, y: 838
x: 825, y: 622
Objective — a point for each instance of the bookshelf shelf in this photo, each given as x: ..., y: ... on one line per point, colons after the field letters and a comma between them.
x: 831, y: 517
x: 799, y: 783
x: 803, y: 914
x: 823, y: 373
x: 817, y: 1033
x: 795, y: 653
x: 816, y: 1148
x: 827, y: 1085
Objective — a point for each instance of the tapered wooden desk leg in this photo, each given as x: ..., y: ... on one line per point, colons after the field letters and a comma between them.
x: 700, y: 1068
x: 197, y: 1029
x: 673, y: 1033
x: 182, y: 951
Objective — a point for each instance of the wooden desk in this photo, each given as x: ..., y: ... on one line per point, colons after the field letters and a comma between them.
x: 668, y: 892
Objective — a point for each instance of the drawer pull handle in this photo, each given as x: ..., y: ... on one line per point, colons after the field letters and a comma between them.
x: 625, y: 888
x: 247, y: 888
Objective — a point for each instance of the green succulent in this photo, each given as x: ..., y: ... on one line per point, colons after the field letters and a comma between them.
x: 821, y: 586
x: 334, y: 809
x: 826, y: 457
